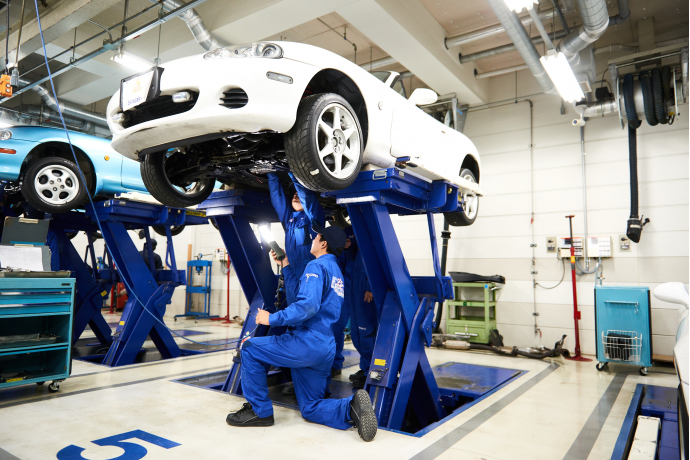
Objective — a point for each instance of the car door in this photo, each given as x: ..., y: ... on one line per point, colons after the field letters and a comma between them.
x: 131, y: 175
x: 415, y: 133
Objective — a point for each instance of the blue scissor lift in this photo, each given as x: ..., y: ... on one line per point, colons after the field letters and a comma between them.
x: 92, y: 284
x: 400, y: 381
x: 153, y: 288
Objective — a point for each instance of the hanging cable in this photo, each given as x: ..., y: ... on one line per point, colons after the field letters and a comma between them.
x: 559, y: 283
x: 7, y: 35
x: 81, y: 175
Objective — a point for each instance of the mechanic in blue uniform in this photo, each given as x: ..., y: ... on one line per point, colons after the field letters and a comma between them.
x: 345, y: 261
x: 307, y: 347
x: 364, y: 320
x: 297, y: 211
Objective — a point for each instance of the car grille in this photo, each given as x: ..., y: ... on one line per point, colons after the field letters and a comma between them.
x: 234, y: 98
x: 161, y: 107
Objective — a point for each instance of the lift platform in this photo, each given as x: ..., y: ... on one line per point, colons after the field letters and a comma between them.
x: 92, y: 284
x: 153, y: 288
x: 401, y: 382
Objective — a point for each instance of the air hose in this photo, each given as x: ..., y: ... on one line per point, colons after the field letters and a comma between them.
x: 557, y: 350
x: 635, y: 222
x: 648, y: 98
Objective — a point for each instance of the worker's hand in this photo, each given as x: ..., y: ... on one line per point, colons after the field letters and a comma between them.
x: 262, y: 317
x: 283, y: 263
x: 348, y: 243
x: 368, y: 297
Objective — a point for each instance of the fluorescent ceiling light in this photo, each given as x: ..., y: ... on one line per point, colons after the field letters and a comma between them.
x: 518, y: 5
x: 558, y: 68
x: 132, y: 61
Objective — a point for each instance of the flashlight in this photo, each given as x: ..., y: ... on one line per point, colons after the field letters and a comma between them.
x: 268, y: 236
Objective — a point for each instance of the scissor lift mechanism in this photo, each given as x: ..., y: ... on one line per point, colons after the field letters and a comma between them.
x: 400, y: 381
x: 154, y: 288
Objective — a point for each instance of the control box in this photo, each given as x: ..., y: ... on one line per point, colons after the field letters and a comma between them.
x: 597, y: 246
x: 219, y: 254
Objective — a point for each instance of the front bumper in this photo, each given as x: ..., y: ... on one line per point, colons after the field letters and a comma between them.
x: 272, y: 104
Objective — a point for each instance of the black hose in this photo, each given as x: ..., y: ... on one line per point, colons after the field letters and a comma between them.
x: 666, y: 83
x: 632, y: 150
x: 658, y: 93
x: 445, y: 235
x: 548, y: 353
x: 648, y: 98
x: 628, y: 94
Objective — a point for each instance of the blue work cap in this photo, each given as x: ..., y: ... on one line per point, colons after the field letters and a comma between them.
x: 333, y: 235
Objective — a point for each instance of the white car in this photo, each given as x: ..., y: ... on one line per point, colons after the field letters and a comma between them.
x: 236, y: 113
x: 678, y: 293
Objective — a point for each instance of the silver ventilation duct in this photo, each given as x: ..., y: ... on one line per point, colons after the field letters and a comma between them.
x: 202, y: 35
x: 523, y: 43
x: 67, y: 109
x: 595, y: 20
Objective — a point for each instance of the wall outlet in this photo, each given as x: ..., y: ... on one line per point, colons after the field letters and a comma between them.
x: 551, y: 244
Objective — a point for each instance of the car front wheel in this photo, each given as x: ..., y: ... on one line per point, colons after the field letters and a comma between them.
x: 53, y: 185
x: 324, y: 147
x: 469, y: 202
x: 158, y: 174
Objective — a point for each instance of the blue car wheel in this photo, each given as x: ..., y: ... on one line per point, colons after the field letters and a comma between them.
x: 53, y: 185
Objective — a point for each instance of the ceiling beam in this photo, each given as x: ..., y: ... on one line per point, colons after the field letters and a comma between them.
x: 57, y: 20
x: 411, y: 35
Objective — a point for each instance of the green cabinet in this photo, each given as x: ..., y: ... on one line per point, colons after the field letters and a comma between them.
x: 469, y: 315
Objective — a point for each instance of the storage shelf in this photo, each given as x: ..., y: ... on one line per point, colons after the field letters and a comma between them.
x: 483, y: 319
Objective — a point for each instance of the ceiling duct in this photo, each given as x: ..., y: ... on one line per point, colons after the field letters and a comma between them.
x: 595, y: 20
x: 201, y: 34
x: 523, y: 44
x: 67, y: 109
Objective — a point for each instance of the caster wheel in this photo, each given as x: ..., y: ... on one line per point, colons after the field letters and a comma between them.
x: 175, y: 319
x: 601, y: 366
x: 54, y: 387
x: 644, y: 371
x: 40, y: 383
x: 196, y: 321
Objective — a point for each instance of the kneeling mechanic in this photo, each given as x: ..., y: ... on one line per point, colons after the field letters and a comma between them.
x: 307, y: 348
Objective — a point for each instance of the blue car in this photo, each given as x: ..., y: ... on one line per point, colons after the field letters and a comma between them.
x: 40, y: 161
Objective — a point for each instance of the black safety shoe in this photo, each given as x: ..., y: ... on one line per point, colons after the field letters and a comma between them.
x: 289, y: 389
x: 335, y: 371
x: 359, y: 383
x: 357, y: 375
x: 247, y: 417
x: 362, y: 415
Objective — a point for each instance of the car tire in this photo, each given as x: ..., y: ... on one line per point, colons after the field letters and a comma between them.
x: 174, y: 230
x: 469, y: 213
x: 682, y: 424
x: 315, y: 144
x: 341, y: 218
x: 50, y: 198
x: 157, y: 183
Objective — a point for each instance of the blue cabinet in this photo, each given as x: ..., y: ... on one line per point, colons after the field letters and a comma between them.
x: 35, y: 330
x: 623, y: 325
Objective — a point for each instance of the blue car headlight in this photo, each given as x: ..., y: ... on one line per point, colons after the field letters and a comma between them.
x: 5, y: 135
x: 251, y: 50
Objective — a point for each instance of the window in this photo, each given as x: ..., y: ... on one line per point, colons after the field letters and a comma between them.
x: 399, y: 87
x: 383, y: 76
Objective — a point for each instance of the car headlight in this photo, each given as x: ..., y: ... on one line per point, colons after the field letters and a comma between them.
x: 5, y: 135
x: 251, y: 50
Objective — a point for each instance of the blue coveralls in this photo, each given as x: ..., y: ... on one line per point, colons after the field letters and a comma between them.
x: 307, y: 347
x: 364, y: 317
x: 298, y: 233
x: 346, y: 262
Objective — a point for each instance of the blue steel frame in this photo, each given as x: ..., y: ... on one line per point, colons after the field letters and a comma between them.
x: 152, y: 287
x: 233, y: 211
x: 400, y: 381
x: 198, y: 265
x: 92, y: 284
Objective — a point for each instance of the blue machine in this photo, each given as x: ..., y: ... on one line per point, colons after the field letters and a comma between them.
x: 203, y: 268
x: 153, y: 288
x: 400, y: 381
x: 35, y: 330
x: 623, y: 321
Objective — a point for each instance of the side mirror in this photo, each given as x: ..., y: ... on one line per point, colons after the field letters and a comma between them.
x: 673, y: 293
x: 423, y: 96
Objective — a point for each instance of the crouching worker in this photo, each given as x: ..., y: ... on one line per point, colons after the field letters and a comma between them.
x: 307, y: 348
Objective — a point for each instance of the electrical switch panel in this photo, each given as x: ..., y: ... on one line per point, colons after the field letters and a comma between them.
x: 597, y: 246
x: 624, y: 242
x: 219, y: 254
x: 551, y: 242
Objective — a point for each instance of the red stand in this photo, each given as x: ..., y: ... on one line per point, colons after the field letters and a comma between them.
x: 226, y: 319
x: 577, y: 356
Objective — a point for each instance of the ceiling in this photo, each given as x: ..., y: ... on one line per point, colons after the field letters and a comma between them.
x: 322, y: 23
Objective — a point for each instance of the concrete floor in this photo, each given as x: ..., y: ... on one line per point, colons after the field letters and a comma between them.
x: 557, y: 410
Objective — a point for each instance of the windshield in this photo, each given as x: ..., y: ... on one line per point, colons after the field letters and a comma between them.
x: 381, y: 75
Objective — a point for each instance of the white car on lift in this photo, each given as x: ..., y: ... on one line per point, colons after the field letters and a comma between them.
x: 678, y: 293
x: 236, y: 113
